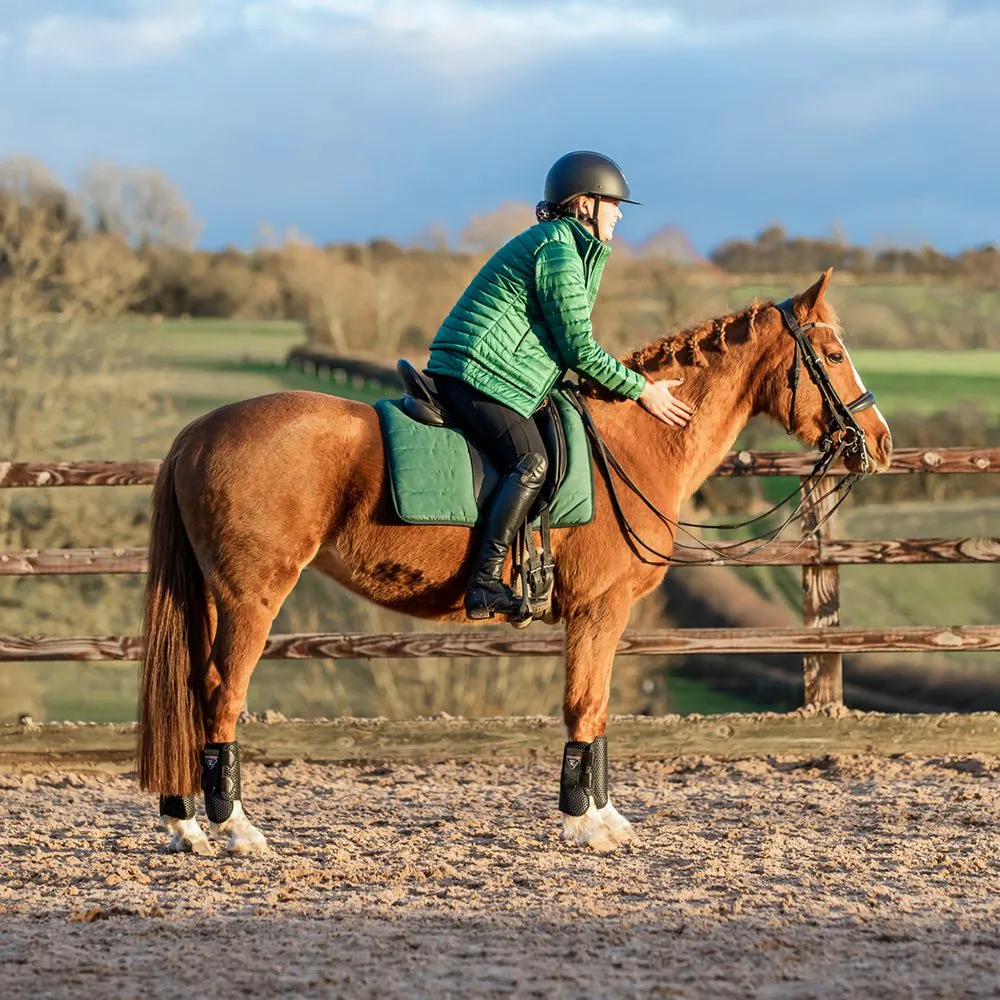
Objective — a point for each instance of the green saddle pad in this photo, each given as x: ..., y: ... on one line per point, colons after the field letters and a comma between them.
x: 431, y: 470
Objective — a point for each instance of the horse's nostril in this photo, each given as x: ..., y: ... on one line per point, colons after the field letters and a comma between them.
x: 885, y: 444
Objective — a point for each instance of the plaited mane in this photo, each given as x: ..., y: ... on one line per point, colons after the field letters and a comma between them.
x: 685, y: 349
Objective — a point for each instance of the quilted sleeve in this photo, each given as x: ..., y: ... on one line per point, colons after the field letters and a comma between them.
x: 562, y: 296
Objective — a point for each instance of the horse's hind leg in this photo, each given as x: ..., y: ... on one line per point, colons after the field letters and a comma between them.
x: 241, y: 633
x: 177, y: 817
x: 592, y: 634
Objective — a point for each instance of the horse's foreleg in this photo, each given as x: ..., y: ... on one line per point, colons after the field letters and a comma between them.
x: 592, y: 633
x: 240, y: 637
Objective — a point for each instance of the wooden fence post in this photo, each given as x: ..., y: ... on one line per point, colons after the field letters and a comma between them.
x: 823, y: 672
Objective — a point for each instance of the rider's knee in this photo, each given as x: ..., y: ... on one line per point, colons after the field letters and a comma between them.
x: 531, y: 469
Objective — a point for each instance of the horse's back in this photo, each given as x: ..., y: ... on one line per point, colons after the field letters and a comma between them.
x: 298, y: 423
x: 286, y: 459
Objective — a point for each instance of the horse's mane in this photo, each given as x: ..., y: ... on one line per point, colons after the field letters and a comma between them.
x: 686, y: 348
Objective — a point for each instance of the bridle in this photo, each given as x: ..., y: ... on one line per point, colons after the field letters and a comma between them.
x: 852, y: 437
x: 843, y: 438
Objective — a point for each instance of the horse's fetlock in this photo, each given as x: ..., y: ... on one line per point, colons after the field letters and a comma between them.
x: 177, y: 806
x: 584, y: 776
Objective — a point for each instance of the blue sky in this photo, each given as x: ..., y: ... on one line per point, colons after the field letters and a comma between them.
x: 350, y: 119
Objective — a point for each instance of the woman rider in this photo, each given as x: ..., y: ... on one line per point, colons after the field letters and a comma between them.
x: 519, y: 326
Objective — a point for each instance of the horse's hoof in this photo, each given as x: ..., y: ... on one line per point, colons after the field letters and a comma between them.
x: 243, y: 836
x: 603, y: 843
x: 198, y: 845
x: 627, y: 835
x: 601, y: 830
x: 621, y: 829
x: 188, y: 837
x: 248, y: 845
x: 589, y: 830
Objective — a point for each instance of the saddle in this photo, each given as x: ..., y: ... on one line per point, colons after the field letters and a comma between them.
x: 532, y: 574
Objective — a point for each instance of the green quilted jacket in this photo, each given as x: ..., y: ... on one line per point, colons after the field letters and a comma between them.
x: 525, y: 320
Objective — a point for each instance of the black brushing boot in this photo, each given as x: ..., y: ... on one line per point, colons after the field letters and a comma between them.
x: 487, y: 594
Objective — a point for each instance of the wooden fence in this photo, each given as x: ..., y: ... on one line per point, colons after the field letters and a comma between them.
x: 343, y: 368
x: 821, y: 639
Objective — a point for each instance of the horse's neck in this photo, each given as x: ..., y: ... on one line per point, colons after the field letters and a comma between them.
x: 669, y: 464
x: 713, y: 430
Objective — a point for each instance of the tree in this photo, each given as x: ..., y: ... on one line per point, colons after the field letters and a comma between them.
x: 490, y: 230
x: 322, y: 282
x: 138, y: 204
x: 673, y: 243
x: 393, y: 306
x: 56, y: 282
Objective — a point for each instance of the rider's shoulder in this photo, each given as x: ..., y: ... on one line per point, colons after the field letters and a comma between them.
x: 530, y: 241
x: 552, y: 231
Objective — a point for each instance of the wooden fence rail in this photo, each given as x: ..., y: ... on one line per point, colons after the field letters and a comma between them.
x: 506, y: 642
x: 905, y: 461
x: 827, y: 552
x: 822, y: 639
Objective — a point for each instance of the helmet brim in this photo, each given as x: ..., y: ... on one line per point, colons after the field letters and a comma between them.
x: 604, y: 197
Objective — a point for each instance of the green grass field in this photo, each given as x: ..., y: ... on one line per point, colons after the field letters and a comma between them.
x: 927, y: 382
x: 214, y: 361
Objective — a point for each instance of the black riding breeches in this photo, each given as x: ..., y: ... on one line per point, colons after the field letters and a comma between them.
x: 501, y: 432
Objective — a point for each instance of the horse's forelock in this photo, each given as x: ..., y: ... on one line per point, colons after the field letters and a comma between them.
x: 825, y: 313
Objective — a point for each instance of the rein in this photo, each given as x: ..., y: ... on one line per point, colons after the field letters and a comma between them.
x: 851, y: 438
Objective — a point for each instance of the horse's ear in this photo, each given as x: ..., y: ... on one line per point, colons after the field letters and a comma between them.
x: 807, y: 302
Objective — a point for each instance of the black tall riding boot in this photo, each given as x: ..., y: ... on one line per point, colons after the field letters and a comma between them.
x: 487, y: 594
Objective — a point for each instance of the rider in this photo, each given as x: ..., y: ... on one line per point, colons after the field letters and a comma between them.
x: 520, y: 325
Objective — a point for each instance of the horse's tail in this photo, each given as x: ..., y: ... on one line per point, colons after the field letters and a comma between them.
x: 175, y: 637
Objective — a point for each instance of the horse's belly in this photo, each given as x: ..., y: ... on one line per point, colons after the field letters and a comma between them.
x: 395, y: 581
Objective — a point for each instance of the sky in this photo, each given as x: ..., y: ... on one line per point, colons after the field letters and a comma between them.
x: 353, y: 119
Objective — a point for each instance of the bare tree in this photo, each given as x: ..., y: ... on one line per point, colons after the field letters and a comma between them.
x: 323, y: 282
x: 492, y: 229
x: 393, y: 302
x: 54, y: 286
x: 434, y: 237
x: 138, y: 204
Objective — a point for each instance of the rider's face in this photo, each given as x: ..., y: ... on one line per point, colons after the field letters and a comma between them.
x: 608, y: 215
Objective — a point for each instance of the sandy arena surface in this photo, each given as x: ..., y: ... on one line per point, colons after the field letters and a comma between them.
x: 842, y: 876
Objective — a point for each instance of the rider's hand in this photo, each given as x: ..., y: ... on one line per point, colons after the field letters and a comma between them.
x: 663, y: 404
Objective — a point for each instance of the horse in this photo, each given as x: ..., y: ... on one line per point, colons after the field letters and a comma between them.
x: 253, y: 492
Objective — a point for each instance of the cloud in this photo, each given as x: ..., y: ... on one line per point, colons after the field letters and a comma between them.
x: 145, y: 31
x: 436, y: 26
x: 457, y: 35
x: 452, y: 37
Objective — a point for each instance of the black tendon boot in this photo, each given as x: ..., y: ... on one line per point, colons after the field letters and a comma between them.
x: 487, y: 594
x: 177, y: 806
x: 220, y: 779
x: 584, y: 776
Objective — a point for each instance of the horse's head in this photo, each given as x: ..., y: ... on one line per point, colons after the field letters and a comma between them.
x: 811, y: 386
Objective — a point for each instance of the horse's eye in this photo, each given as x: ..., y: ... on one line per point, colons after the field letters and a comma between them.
x: 835, y: 358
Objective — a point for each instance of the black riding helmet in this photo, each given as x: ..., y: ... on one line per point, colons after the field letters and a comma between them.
x: 585, y: 172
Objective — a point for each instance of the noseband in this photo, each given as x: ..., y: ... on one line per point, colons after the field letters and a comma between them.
x: 852, y: 441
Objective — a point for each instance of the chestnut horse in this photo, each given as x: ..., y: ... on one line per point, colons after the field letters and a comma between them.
x: 253, y: 492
